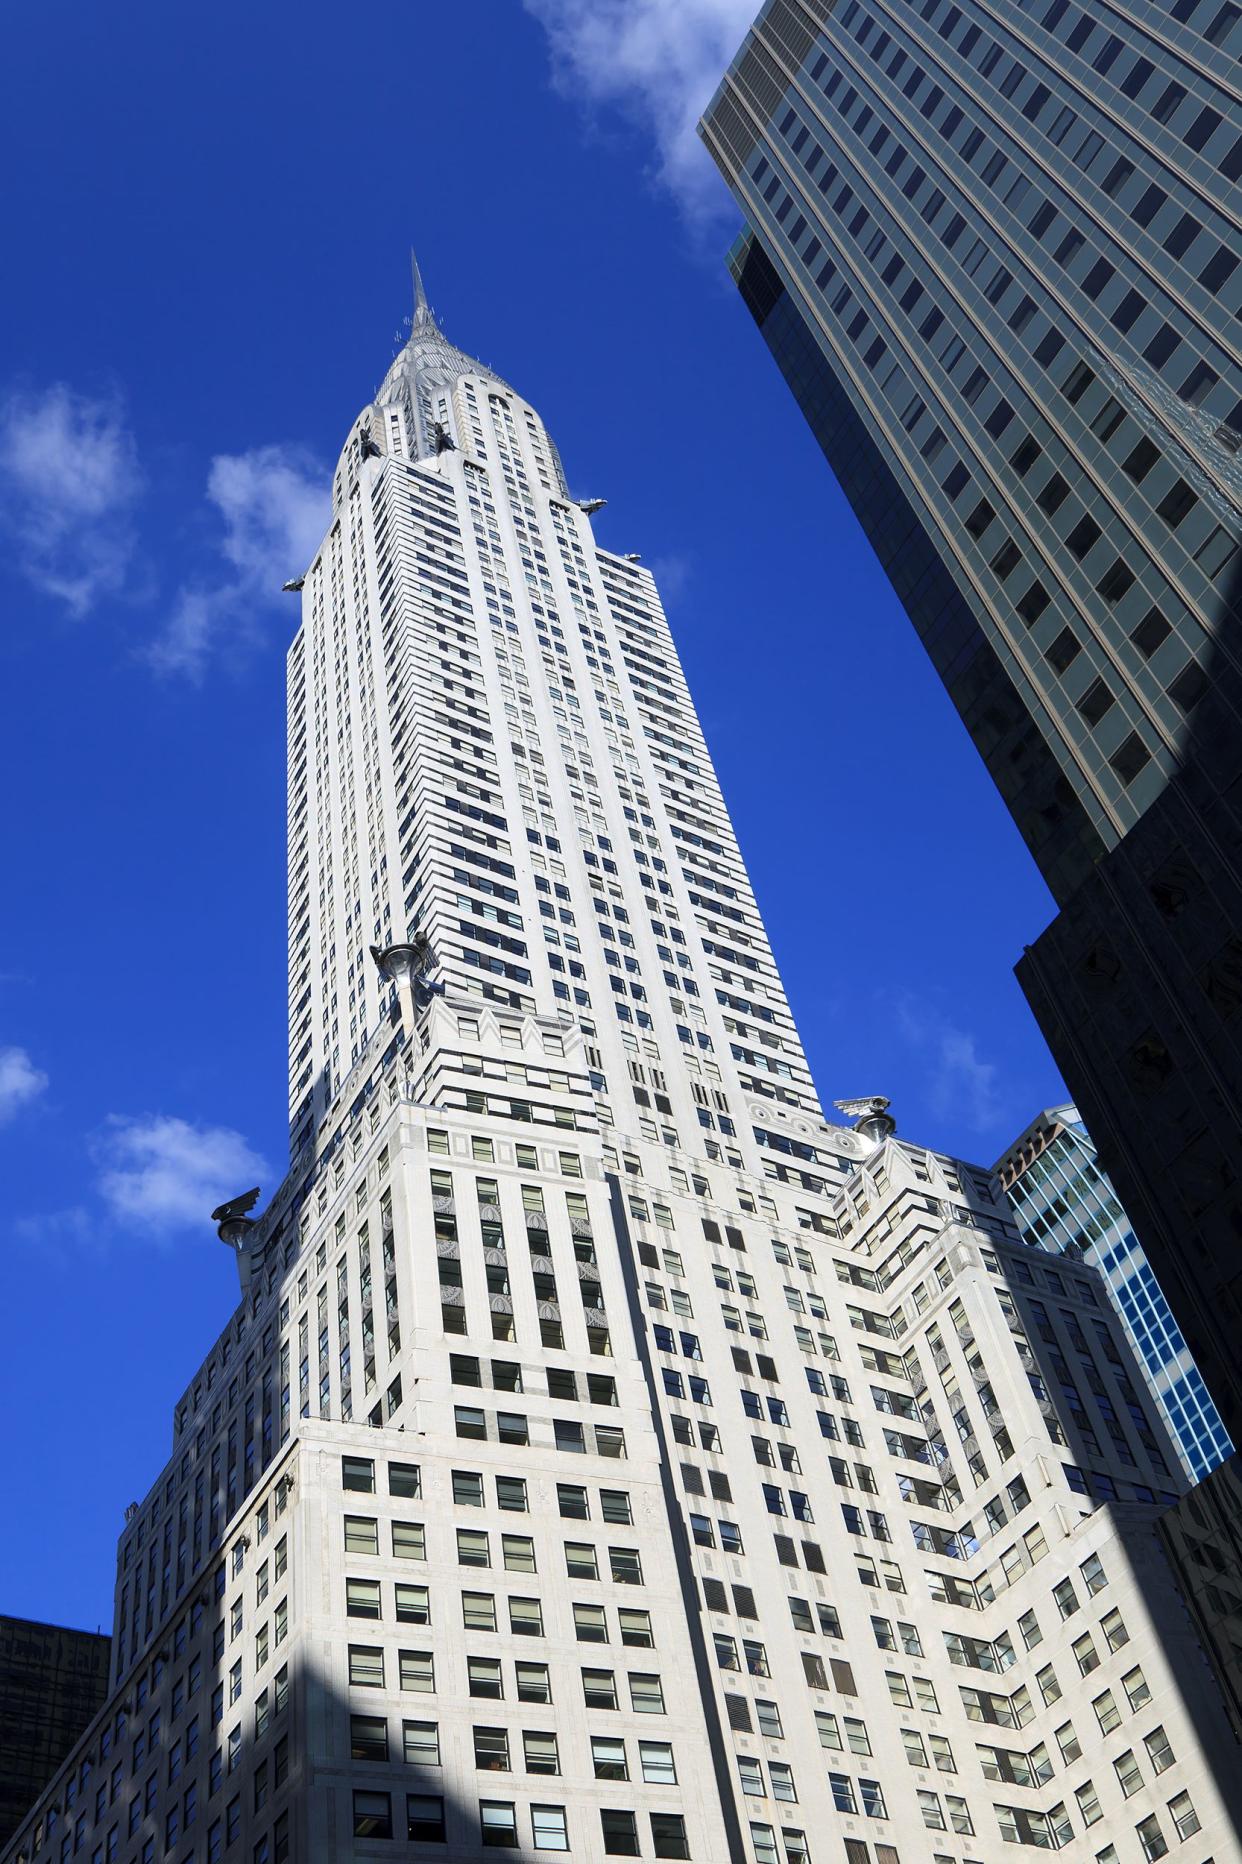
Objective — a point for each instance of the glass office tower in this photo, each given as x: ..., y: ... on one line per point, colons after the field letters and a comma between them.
x: 1064, y: 1202
x: 52, y: 1683
x: 995, y: 253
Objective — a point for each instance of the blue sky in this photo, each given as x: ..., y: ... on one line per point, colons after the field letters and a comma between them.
x: 208, y: 216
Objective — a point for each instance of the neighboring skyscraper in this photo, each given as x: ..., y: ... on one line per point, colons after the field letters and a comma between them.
x: 609, y: 1455
x: 1202, y: 1537
x: 1064, y: 1202
x: 53, y: 1683
x: 995, y: 253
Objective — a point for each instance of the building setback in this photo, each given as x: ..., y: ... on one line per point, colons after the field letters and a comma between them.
x: 995, y: 254
x: 52, y: 1683
x: 1064, y: 1202
x: 609, y: 1455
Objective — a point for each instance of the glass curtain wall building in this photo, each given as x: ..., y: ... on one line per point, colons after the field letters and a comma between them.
x: 610, y: 1455
x: 994, y: 251
x: 53, y: 1681
x: 1064, y: 1203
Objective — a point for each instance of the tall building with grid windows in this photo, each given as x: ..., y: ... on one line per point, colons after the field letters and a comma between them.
x: 994, y: 250
x: 609, y: 1455
x: 52, y: 1681
x: 1064, y: 1202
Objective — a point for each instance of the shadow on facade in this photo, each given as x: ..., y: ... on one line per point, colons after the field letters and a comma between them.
x: 1137, y: 986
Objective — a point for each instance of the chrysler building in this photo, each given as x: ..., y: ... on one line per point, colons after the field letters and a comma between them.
x: 610, y: 1454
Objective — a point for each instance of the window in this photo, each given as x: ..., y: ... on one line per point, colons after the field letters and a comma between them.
x: 533, y: 1684
x: 361, y: 1534
x: 1151, y: 1838
x: 368, y: 1737
x: 404, y: 1480
x: 782, y: 1780
x: 1094, y: 1576
x: 599, y: 1689
x: 843, y: 1792
x: 413, y: 1605
x: 548, y: 1828
x: 625, y: 1566
x: 609, y: 1758
x: 525, y: 1617
x: 424, y: 1819
x: 1129, y: 759
x: 409, y: 1540
x: 1177, y: 504
x: 366, y: 1666
x: 416, y: 1669
x: 581, y: 1561
x: 620, y: 1833
x: 467, y: 1489
x: 498, y: 1824
x: 646, y: 1693
x: 478, y: 1611
x: 362, y: 1598
x: 668, y: 1835
x: 469, y: 1422
x: 491, y: 1749
x: 1128, y: 1773
x: 539, y: 1751
x: 1113, y: 1626
x: 750, y: 1773
x: 1085, y: 1654
x: 511, y: 1494
x: 871, y: 1794
x: 518, y: 1552
x: 372, y: 1815
x: 763, y: 1840
x: 358, y: 1472
x: 590, y: 1625
x: 656, y: 1762
x: 635, y: 1628
x: 1183, y: 1815
x: 420, y: 1742
x: 1159, y: 1751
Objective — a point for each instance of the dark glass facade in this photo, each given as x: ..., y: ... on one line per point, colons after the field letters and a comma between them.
x: 53, y: 1683
x: 995, y: 252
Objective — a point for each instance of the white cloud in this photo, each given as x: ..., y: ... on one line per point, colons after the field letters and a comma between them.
x: 659, y: 62
x: 275, y: 506
x: 20, y: 1082
x: 672, y: 575
x: 69, y: 477
x: 161, y: 1172
x: 961, y: 1083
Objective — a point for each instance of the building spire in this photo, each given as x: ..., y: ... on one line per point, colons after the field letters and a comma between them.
x: 422, y: 310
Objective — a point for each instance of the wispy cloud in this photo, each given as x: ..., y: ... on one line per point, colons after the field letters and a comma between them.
x: 274, y: 505
x: 69, y: 479
x: 20, y: 1082
x: 60, y: 1236
x: 658, y: 62
x: 672, y: 574
x: 160, y: 1172
x: 961, y: 1083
